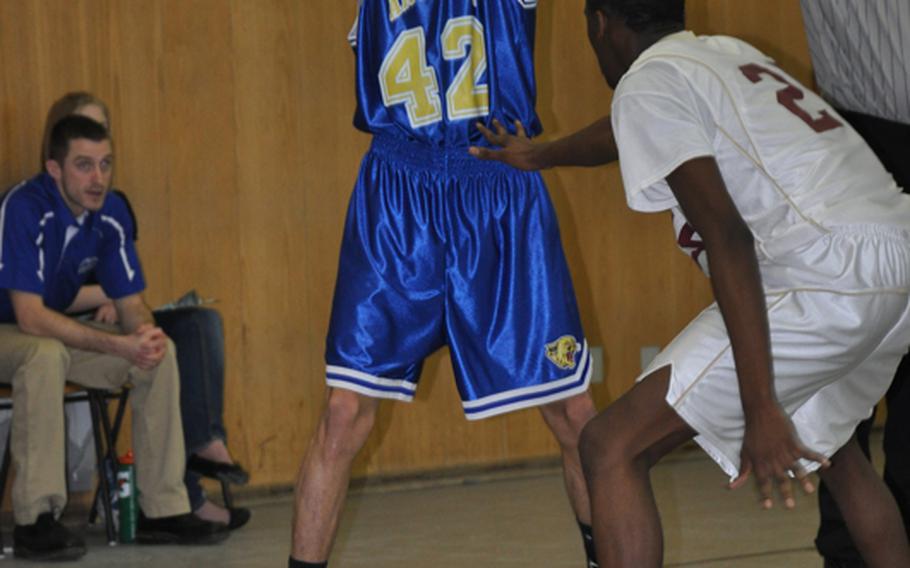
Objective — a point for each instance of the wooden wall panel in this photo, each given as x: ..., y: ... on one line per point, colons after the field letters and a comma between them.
x: 266, y: 90
x: 232, y: 123
x: 136, y: 102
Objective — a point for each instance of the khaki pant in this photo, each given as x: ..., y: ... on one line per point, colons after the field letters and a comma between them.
x: 38, y: 368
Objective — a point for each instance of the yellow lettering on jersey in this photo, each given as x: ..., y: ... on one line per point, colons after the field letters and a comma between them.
x: 406, y: 78
x: 466, y: 97
x: 399, y: 7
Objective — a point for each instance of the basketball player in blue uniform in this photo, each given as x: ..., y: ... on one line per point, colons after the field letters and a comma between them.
x: 442, y: 249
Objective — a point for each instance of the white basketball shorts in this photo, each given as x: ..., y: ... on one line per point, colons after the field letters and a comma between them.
x: 835, y: 350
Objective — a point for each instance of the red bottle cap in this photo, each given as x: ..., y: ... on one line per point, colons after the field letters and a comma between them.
x: 127, y: 458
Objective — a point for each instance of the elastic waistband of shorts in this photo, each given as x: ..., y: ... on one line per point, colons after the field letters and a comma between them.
x: 454, y: 160
x: 807, y: 234
x: 890, y: 232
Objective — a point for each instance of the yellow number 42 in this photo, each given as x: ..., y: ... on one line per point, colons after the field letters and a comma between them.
x: 406, y: 78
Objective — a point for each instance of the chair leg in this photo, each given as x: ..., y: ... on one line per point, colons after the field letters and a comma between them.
x: 99, y: 418
x: 4, y: 476
x: 111, y: 434
x: 106, y: 471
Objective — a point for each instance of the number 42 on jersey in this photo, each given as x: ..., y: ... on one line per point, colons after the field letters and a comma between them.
x: 407, y: 79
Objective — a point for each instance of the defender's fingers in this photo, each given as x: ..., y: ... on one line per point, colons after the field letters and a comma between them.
x: 500, y: 129
x: 483, y: 153
x: 487, y: 133
x: 520, y: 129
x: 739, y: 481
x: 785, y: 486
x: 818, y: 458
x: 745, y: 470
x: 765, y: 492
x: 802, y: 476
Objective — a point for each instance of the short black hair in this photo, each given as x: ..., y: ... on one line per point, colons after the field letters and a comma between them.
x: 70, y: 128
x: 645, y: 15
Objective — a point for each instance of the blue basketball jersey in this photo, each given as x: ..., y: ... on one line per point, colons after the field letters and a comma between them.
x: 440, y: 248
x: 429, y: 69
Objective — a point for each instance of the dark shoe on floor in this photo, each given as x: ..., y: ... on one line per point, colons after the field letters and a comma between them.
x: 179, y: 529
x: 239, y: 517
x: 227, y: 472
x: 47, y: 540
x: 833, y: 563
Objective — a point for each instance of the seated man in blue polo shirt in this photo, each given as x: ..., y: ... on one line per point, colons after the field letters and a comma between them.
x: 55, y: 229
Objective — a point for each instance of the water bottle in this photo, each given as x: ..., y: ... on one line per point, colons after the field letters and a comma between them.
x: 127, y: 508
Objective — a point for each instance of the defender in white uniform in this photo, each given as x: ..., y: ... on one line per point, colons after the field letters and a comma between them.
x: 830, y: 226
x: 807, y: 242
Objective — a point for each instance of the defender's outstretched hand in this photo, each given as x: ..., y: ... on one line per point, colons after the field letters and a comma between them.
x: 772, y: 450
x: 516, y: 150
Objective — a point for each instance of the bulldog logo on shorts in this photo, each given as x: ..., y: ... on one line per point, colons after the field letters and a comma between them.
x: 562, y: 352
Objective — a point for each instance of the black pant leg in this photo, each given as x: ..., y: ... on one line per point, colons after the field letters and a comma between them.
x: 897, y: 440
x: 891, y: 143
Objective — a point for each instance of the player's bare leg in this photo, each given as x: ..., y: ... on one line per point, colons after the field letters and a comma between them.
x: 868, y: 507
x: 322, y: 482
x: 618, y: 448
x: 566, y: 419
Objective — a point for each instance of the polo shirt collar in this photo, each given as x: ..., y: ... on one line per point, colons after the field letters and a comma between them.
x: 61, y: 210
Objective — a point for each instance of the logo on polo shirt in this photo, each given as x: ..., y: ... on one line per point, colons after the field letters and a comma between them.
x: 562, y: 352
x: 88, y: 264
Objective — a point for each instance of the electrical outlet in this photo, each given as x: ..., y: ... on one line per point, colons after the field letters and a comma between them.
x: 597, y: 364
x: 647, y: 354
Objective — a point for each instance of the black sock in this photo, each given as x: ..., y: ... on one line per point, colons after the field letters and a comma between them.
x: 587, y: 537
x: 301, y: 564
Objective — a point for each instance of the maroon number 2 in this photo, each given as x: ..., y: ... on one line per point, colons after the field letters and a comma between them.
x: 788, y: 97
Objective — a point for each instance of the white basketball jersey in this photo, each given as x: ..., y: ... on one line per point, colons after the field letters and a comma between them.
x: 793, y: 167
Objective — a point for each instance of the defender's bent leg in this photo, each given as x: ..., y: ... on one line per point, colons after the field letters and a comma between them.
x: 322, y: 482
x: 869, y: 509
x: 833, y: 540
x: 618, y: 448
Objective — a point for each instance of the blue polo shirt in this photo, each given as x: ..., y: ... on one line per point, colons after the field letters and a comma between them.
x: 45, y: 250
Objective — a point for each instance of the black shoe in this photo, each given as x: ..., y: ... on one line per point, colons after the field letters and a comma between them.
x: 179, y: 529
x: 239, y: 517
x: 47, y: 539
x: 839, y: 563
x: 226, y: 472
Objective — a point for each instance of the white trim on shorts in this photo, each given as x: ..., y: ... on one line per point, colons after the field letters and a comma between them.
x: 492, y: 405
x: 537, y: 395
x: 369, y: 385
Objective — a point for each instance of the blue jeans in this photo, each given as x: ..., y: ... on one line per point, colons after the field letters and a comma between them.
x: 198, y: 334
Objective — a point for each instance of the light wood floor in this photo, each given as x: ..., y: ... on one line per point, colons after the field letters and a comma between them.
x: 508, y: 519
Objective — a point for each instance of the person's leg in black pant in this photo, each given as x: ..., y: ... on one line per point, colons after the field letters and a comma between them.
x: 891, y: 143
x: 897, y: 440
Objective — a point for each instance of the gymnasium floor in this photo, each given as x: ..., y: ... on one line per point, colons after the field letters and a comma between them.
x: 508, y: 519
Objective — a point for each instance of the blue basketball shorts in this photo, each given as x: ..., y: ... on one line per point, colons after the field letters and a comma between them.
x: 442, y: 249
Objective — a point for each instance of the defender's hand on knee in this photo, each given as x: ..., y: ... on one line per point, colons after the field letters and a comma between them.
x: 772, y: 450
